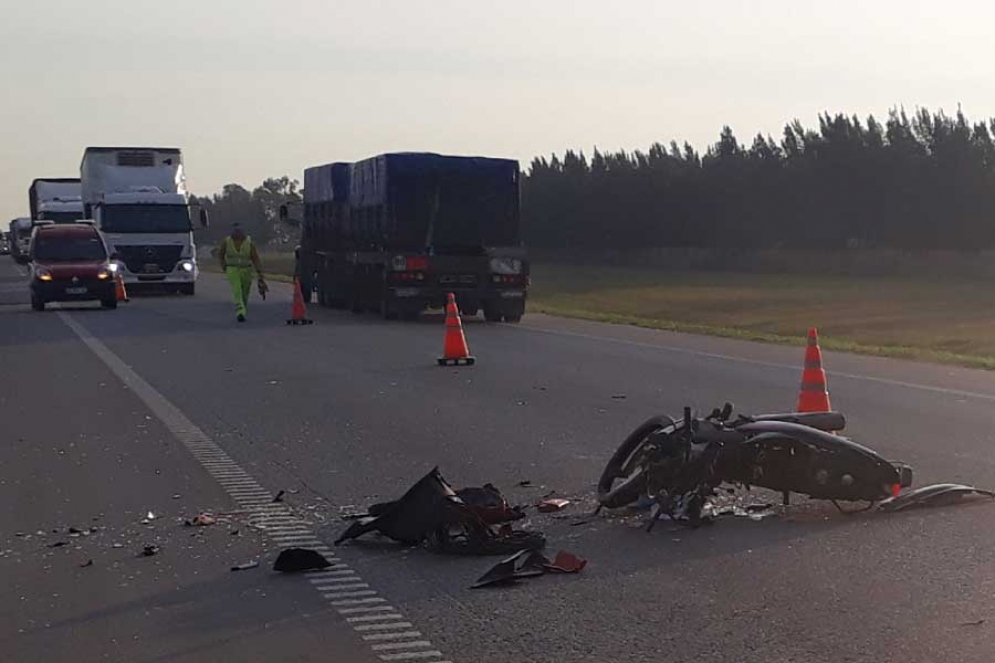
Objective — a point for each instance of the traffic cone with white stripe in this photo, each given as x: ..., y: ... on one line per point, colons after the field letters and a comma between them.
x: 454, y: 352
x: 814, y: 393
x: 120, y: 292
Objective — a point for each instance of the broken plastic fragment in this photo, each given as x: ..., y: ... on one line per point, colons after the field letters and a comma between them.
x: 565, y: 562
x: 245, y: 566
x: 293, y: 560
x: 552, y: 504
x: 149, y: 551
x: 935, y: 495
x: 523, y: 564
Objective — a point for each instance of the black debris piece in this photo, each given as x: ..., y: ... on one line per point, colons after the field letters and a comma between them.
x: 524, y: 483
x: 432, y: 512
x: 73, y: 530
x: 86, y: 564
x: 149, y: 551
x: 293, y: 560
x: 58, y: 544
x: 940, y: 494
x: 523, y: 564
x: 279, y: 496
x: 245, y: 566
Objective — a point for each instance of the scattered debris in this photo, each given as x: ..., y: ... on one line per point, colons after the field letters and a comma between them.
x: 978, y: 622
x: 234, y: 532
x: 565, y: 562
x: 552, y: 504
x: 149, y: 517
x: 432, y: 512
x: 279, y: 496
x: 529, y: 564
x: 293, y: 560
x: 524, y: 483
x: 201, y: 520
x: 578, y: 523
x: 117, y: 545
x: 489, y: 504
x: 58, y: 544
x: 177, y: 496
x: 619, y: 397
x: 73, y: 530
x: 523, y: 564
x: 149, y: 551
x: 936, y: 495
x: 86, y: 564
x: 245, y: 566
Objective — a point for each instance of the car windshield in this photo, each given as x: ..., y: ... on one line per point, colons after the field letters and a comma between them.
x: 145, y: 219
x: 69, y: 249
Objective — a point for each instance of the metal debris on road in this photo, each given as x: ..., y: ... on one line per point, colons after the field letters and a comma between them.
x: 201, y: 520
x: 528, y: 564
x: 293, y: 560
x: 245, y: 566
x: 279, y: 496
x: 149, y: 551
x: 524, y: 483
x: 940, y: 494
x: 549, y: 505
x: 58, y: 544
x: 149, y: 517
x: 86, y: 564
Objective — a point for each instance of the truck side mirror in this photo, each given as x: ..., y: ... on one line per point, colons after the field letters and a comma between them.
x: 284, y: 213
x: 205, y: 218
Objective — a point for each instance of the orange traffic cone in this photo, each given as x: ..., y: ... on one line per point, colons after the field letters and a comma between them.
x: 814, y: 394
x: 298, y: 312
x: 120, y: 293
x: 454, y: 351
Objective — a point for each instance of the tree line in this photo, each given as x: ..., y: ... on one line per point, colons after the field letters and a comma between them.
x: 912, y: 182
x: 919, y: 181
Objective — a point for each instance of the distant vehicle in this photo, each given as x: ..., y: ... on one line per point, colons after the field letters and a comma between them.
x: 70, y: 262
x: 4, y: 244
x: 137, y: 197
x: 397, y: 232
x: 19, y: 238
x: 58, y: 199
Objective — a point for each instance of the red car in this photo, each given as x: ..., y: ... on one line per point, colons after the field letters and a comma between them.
x: 69, y: 263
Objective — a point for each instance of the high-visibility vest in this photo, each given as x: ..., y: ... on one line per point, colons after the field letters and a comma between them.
x: 238, y: 257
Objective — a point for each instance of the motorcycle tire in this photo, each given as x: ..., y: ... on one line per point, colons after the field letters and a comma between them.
x: 620, y: 466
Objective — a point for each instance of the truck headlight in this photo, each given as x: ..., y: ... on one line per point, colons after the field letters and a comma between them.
x: 113, y: 267
x: 506, y: 266
x: 187, y: 265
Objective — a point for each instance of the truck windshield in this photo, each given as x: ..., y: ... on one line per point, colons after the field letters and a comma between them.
x: 61, y: 217
x: 69, y: 249
x: 145, y: 219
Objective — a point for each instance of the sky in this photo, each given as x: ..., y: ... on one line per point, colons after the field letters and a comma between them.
x: 251, y: 89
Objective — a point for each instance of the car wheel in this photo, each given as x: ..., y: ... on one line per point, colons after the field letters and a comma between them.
x: 37, y: 304
x: 492, y: 314
x: 110, y: 303
x: 188, y: 289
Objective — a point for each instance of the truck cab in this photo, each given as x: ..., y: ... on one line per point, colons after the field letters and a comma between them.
x: 138, y: 199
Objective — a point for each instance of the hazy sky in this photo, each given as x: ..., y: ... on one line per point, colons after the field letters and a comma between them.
x: 251, y: 89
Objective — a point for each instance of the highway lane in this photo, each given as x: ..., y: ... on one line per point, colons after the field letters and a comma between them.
x: 353, y: 409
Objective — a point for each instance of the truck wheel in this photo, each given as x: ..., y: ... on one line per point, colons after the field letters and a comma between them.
x: 513, y: 318
x: 188, y: 289
x: 306, y: 290
x: 470, y: 311
x: 37, y: 304
x: 110, y: 303
x: 492, y: 314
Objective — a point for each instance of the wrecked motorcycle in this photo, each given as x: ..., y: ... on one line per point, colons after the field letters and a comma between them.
x: 678, y: 464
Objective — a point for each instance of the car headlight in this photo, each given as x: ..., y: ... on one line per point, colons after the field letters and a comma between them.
x: 104, y: 273
x: 506, y: 265
x: 43, y: 274
x: 187, y: 265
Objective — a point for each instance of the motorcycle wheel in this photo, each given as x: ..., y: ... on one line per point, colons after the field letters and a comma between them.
x: 624, y: 464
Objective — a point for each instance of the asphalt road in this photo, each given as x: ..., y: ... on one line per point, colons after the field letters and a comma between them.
x: 353, y: 410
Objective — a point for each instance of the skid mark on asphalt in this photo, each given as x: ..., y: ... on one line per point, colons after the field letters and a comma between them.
x: 380, y: 625
x: 758, y: 362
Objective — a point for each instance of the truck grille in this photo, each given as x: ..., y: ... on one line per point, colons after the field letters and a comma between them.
x: 149, y: 259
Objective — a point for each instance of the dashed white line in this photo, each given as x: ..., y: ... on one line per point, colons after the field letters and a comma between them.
x: 376, y: 621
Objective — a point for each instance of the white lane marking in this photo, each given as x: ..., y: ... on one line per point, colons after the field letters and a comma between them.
x: 340, y: 586
x: 369, y: 608
x: 393, y: 636
x: 417, y: 644
x: 383, y: 627
x: 410, y: 655
x: 386, y: 616
x: 767, y: 364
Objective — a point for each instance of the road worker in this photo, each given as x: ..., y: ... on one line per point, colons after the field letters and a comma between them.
x: 238, y: 257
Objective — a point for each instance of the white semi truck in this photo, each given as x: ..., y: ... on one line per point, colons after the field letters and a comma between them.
x: 57, y: 199
x: 20, y: 238
x: 138, y: 198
